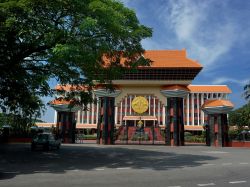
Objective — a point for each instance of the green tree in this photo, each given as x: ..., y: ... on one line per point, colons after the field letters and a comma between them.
x: 240, y: 117
x: 62, y: 39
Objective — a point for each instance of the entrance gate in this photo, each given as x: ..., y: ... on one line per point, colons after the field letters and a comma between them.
x: 148, y: 134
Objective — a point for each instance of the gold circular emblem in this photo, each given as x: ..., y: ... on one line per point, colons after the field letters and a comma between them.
x: 140, y: 104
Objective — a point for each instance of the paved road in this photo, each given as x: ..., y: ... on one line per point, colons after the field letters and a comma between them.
x: 122, y: 165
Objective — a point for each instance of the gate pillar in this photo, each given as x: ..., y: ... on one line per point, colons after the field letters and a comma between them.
x: 174, y: 114
x: 217, y: 128
x: 66, y: 124
x: 106, y: 118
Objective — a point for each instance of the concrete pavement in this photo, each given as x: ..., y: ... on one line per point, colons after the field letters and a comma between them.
x: 124, y: 165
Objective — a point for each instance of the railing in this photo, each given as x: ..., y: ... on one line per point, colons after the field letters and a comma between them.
x: 136, y: 135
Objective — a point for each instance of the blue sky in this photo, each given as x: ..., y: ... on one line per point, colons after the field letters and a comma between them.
x: 216, y: 33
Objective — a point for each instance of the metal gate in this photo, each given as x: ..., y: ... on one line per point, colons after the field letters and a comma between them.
x: 139, y: 135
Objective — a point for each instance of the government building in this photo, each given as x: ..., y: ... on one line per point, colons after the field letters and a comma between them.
x: 154, y: 104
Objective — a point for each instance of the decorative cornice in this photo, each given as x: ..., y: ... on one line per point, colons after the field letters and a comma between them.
x: 65, y: 107
x: 106, y: 93
x: 217, y: 110
x: 217, y: 106
x: 175, y: 91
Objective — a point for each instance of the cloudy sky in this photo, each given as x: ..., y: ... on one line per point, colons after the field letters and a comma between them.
x: 216, y: 33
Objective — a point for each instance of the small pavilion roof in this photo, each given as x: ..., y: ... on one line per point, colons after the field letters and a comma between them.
x: 60, y: 102
x: 69, y: 87
x: 217, y: 103
x: 175, y: 87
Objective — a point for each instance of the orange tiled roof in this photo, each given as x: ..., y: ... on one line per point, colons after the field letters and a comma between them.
x: 170, y: 59
x: 217, y: 103
x: 165, y: 59
x: 175, y: 87
x: 61, y: 102
x: 209, y: 88
x: 69, y: 87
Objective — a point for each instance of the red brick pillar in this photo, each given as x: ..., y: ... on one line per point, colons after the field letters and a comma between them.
x: 218, y: 130
x: 66, y: 126
x: 105, y: 127
x: 174, y: 125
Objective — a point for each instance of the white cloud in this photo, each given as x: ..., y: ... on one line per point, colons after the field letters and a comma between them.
x: 125, y: 2
x: 223, y: 80
x: 196, y: 27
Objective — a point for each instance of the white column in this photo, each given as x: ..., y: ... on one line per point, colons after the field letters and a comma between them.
x: 192, y: 100
x: 202, y: 113
x: 188, y: 109
x: 163, y: 115
x: 78, y: 116
x: 130, y: 105
x: 92, y: 113
x: 198, y: 108
x: 154, y: 106
x: 121, y: 114
x: 82, y: 116
x: 97, y: 110
x: 126, y: 105
x: 149, y: 107
x: 88, y: 116
x: 55, y: 117
x: 116, y: 109
x: 158, y: 112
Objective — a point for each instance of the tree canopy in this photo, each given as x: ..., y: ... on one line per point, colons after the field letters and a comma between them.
x: 240, y: 117
x: 62, y: 39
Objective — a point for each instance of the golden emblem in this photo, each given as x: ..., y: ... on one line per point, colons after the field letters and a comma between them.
x: 139, y: 124
x: 140, y: 104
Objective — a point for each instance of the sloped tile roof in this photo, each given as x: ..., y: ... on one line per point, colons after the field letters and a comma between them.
x: 60, y: 101
x: 170, y: 59
x: 69, y: 87
x: 209, y: 88
x: 164, y: 59
x: 175, y: 87
x: 217, y: 103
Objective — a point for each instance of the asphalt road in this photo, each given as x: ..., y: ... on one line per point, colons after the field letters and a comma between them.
x: 124, y: 165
